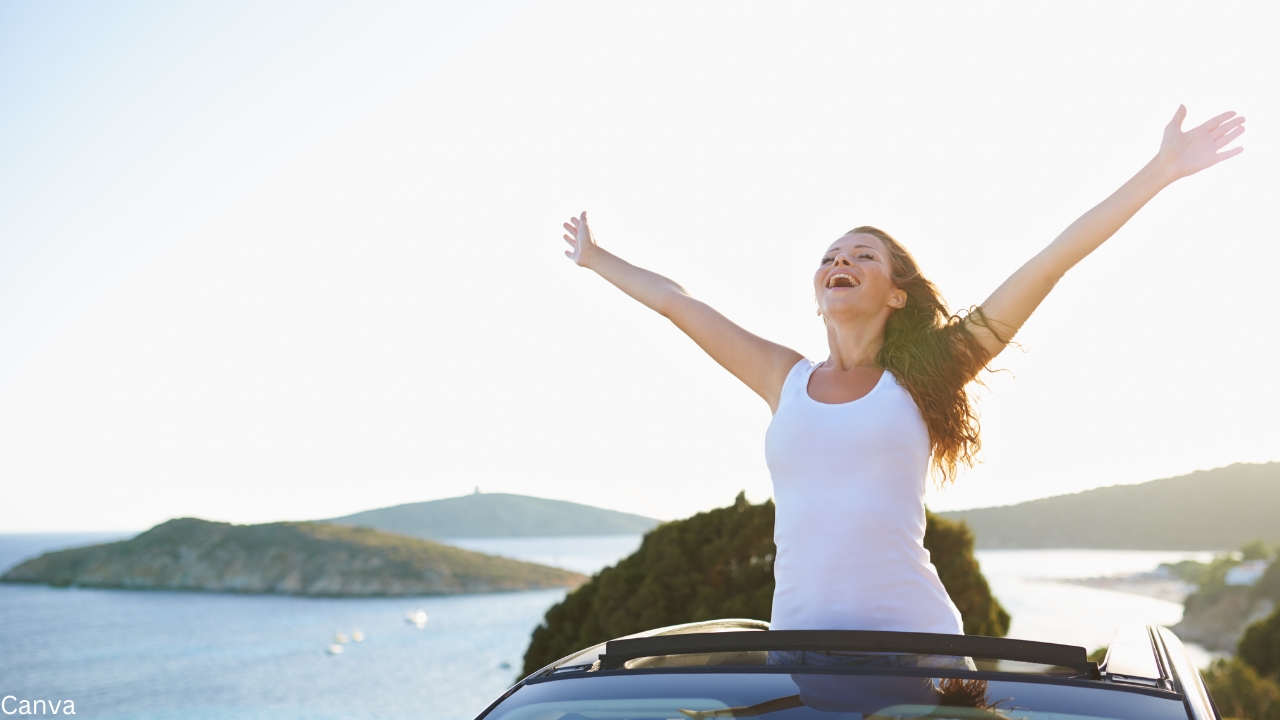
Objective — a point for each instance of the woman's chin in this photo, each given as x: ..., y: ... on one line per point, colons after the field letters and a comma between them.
x: 845, y: 306
x: 857, y: 316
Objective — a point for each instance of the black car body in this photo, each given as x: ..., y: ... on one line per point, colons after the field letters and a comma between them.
x: 738, y: 668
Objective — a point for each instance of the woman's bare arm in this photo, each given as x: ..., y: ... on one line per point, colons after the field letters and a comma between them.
x: 1181, y: 154
x: 760, y: 364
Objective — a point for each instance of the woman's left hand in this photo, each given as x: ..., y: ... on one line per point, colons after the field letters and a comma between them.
x: 1187, y: 153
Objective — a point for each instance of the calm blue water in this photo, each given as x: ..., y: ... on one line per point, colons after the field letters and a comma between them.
x: 580, y: 554
x: 129, y: 654
x: 139, y: 654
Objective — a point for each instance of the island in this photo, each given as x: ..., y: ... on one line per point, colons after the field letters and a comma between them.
x: 291, y: 558
x: 492, y: 515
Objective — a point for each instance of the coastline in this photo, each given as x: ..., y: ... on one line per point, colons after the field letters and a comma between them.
x: 1149, y: 585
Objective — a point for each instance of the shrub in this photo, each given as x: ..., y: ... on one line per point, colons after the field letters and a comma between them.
x: 1192, y: 571
x: 1255, y: 550
x: 1269, y: 584
x: 1260, y: 646
x: 1239, y: 692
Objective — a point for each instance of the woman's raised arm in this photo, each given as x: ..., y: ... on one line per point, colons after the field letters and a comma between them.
x: 760, y: 364
x: 1181, y: 154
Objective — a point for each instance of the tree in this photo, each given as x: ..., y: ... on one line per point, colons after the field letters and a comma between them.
x: 1260, y: 645
x: 1239, y: 692
x: 1255, y: 550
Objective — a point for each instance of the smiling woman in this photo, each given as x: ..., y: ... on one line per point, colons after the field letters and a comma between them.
x: 930, y: 352
x: 853, y: 437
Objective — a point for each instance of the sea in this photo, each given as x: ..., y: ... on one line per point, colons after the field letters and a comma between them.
x: 153, y: 655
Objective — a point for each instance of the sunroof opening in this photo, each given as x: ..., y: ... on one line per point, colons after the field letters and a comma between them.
x: 849, y: 660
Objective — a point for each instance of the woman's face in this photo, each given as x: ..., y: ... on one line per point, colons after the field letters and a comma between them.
x: 855, y: 279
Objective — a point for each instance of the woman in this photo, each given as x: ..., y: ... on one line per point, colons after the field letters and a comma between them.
x: 853, y: 436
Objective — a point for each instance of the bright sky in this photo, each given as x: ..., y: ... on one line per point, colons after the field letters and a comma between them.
x: 294, y: 260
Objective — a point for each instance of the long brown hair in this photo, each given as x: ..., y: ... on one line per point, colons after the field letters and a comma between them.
x: 933, y: 353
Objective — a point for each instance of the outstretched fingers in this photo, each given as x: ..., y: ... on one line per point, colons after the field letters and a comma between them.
x: 1234, y: 133
x: 1219, y: 157
x: 1202, y: 146
x: 571, y: 239
x: 1212, y: 123
x: 1227, y: 127
x: 578, y: 237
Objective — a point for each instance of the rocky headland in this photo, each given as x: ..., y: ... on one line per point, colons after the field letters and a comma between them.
x: 293, y: 558
x: 1218, y: 622
x: 1223, y: 607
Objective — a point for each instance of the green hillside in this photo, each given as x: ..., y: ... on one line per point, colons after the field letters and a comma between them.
x: 1218, y: 509
x: 287, y: 558
x: 719, y: 564
x: 498, y: 515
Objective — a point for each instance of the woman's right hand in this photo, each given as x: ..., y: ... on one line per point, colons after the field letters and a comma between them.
x: 582, y: 243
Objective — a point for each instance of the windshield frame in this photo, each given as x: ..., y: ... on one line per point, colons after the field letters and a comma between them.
x: 883, y: 672
x: 1005, y: 677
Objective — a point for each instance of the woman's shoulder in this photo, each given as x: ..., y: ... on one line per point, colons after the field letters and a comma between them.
x: 798, y: 375
x: 896, y: 385
x: 803, y: 366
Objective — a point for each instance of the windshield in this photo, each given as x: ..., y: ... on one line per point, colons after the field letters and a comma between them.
x: 825, y: 696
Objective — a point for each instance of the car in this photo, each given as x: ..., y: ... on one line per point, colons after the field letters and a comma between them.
x: 741, y: 668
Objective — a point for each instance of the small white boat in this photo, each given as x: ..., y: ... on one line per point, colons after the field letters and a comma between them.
x: 418, y: 617
x: 340, y: 639
x: 357, y: 636
x: 334, y: 649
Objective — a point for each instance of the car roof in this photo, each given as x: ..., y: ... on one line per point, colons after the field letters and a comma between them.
x: 1141, y: 656
x: 1146, y: 660
x: 590, y: 655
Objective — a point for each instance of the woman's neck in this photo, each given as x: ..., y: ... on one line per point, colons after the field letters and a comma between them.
x: 852, y: 346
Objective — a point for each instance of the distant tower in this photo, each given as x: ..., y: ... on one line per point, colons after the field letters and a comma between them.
x: 477, y: 492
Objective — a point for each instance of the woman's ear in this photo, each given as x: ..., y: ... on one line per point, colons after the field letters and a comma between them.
x: 898, y: 299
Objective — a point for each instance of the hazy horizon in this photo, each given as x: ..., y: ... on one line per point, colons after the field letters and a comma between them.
x: 286, y: 261
x: 411, y: 502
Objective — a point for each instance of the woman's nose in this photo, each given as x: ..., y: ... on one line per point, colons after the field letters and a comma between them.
x: 843, y: 259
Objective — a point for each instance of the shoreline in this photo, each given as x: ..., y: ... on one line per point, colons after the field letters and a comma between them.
x: 1146, y: 584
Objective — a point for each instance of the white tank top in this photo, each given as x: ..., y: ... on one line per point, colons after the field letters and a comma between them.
x: 849, y: 482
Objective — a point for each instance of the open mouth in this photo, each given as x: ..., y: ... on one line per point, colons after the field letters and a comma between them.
x: 842, y: 280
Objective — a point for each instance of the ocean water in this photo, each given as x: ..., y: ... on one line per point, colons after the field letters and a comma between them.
x: 1042, y: 609
x: 580, y: 554
x: 179, y: 655
x: 174, y: 655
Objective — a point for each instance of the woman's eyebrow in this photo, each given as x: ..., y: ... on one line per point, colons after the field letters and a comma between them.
x: 855, y: 247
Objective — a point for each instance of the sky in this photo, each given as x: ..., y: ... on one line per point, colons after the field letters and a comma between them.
x: 267, y: 261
